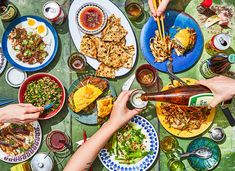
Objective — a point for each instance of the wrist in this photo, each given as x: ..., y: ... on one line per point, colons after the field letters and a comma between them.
x: 111, y: 125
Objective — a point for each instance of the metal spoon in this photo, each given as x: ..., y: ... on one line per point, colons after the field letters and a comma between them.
x: 172, y: 75
x: 203, y: 152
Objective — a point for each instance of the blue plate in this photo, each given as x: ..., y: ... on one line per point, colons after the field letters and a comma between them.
x: 145, y: 163
x: 178, y: 20
x: 200, y: 163
x: 13, y: 60
x: 91, y: 117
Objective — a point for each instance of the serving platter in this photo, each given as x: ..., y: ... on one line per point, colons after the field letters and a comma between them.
x: 109, y: 8
x: 90, y: 117
x: 184, y: 133
x: 152, y: 144
x: 29, y: 153
x: 174, y: 21
x: 51, y: 39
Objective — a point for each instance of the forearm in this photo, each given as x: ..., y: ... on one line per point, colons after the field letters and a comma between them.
x: 87, y: 153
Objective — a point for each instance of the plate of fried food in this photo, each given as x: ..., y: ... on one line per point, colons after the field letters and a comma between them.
x: 19, y: 142
x: 183, y: 121
x: 30, y: 43
x: 182, y: 44
x: 102, y: 33
x: 43, y: 89
x: 91, y: 99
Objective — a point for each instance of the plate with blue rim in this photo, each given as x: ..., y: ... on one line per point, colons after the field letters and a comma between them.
x: 51, y: 39
x: 152, y: 144
x: 89, y: 117
x: 200, y: 163
x: 174, y: 21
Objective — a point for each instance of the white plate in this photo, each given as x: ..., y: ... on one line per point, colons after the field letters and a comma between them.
x: 152, y: 144
x: 28, y: 154
x: 2, y: 57
x: 109, y: 8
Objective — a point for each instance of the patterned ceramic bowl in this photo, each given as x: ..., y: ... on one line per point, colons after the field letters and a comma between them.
x: 91, y: 18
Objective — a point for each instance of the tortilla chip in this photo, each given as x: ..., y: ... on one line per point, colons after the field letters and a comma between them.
x: 88, y: 47
x: 105, y: 71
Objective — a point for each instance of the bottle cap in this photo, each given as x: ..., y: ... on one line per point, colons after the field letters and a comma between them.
x: 231, y: 58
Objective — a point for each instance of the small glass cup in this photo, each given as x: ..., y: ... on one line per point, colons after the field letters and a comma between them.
x: 77, y: 62
x: 136, y: 13
x: 175, y: 165
x: 148, y: 78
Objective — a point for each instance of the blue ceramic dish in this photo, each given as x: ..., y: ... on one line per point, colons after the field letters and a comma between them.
x: 8, y: 30
x: 174, y: 21
x: 200, y: 163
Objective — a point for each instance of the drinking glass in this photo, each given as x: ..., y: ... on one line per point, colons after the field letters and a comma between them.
x: 136, y: 13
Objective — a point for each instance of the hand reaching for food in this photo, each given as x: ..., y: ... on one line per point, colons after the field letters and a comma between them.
x: 222, y: 87
x: 161, y: 9
x: 19, y: 113
x: 120, y: 114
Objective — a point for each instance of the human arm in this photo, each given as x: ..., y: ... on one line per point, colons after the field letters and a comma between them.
x: 222, y: 87
x: 87, y: 153
x: 161, y: 9
x: 19, y: 113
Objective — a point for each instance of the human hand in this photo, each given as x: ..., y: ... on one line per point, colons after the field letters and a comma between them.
x: 222, y: 87
x: 161, y: 9
x: 20, y: 113
x: 120, y: 114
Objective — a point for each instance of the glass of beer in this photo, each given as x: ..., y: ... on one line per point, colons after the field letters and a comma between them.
x: 136, y: 13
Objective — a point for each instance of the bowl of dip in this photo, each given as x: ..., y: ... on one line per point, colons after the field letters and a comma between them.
x: 91, y: 18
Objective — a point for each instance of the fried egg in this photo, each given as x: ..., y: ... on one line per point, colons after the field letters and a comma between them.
x: 42, y: 29
x: 32, y: 23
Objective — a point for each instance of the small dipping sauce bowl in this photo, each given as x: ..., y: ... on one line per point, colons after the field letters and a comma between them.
x: 57, y: 141
x: 77, y: 62
x: 148, y: 78
x: 136, y: 101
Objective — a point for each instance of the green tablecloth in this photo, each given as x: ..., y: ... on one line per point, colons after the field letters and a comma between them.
x: 63, y: 121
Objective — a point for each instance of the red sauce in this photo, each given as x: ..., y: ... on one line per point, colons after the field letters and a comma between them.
x: 58, y: 140
x: 91, y: 18
x: 78, y: 64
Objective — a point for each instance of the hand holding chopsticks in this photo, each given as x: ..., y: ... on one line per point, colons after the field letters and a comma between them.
x: 159, y: 19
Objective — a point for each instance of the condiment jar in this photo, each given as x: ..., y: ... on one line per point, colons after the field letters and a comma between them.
x: 42, y: 162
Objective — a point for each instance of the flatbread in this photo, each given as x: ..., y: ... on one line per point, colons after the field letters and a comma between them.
x: 105, y: 71
x: 130, y: 50
x: 88, y: 46
x: 114, y: 31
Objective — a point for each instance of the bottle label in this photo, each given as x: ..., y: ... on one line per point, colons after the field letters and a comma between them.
x: 9, y: 14
x: 205, y: 70
x: 203, y: 99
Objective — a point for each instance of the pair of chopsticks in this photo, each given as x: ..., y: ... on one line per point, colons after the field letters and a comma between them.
x: 6, y: 101
x: 160, y: 20
x: 84, y: 140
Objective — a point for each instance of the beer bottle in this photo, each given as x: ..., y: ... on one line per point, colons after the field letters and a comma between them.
x: 191, y: 95
x: 216, y: 65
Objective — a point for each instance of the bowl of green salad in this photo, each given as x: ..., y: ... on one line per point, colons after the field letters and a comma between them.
x: 42, y: 89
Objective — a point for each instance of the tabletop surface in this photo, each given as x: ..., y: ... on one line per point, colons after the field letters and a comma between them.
x: 63, y: 121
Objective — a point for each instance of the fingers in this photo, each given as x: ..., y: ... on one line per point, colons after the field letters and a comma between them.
x: 215, y: 102
x: 34, y: 109
x: 32, y: 116
x: 162, y: 7
x: 153, y: 11
x: 25, y: 105
x: 135, y: 112
x: 123, y: 96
